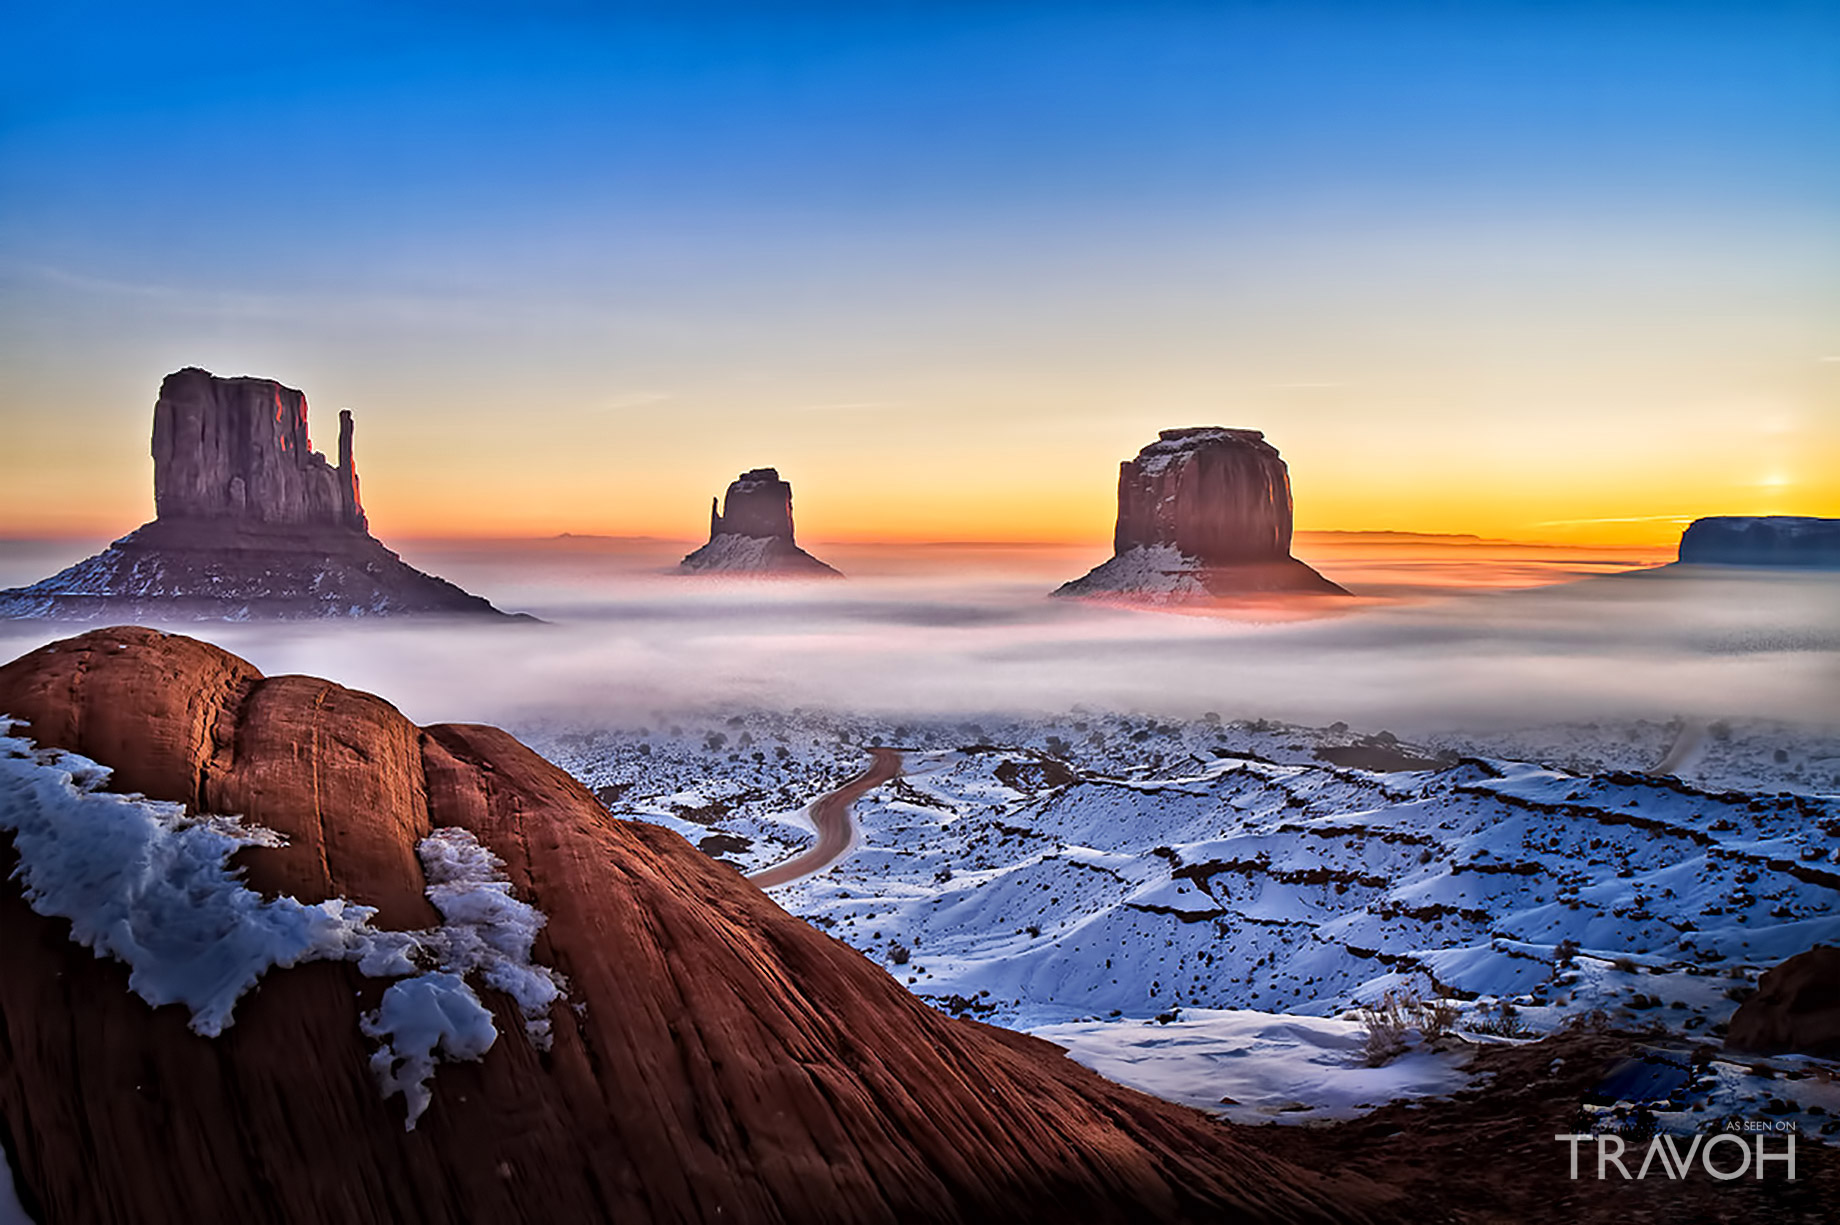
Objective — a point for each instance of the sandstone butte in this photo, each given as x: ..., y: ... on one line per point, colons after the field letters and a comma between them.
x: 752, y: 533
x: 1203, y: 513
x: 249, y: 523
x: 716, y: 1058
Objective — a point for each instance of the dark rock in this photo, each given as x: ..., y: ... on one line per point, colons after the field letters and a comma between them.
x: 251, y: 523
x: 1203, y: 512
x: 1796, y: 1008
x: 752, y: 532
x: 1765, y: 540
x: 715, y: 1059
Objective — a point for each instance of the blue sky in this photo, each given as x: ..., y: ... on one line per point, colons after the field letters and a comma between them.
x: 1051, y: 226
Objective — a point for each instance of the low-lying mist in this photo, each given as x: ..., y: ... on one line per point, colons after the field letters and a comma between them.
x: 965, y: 630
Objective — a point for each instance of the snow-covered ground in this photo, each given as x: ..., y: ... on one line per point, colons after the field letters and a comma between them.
x: 1199, y: 907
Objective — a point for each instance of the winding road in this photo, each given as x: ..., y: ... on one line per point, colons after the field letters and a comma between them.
x: 836, y: 826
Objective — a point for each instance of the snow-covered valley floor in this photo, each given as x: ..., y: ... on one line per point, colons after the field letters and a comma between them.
x: 1201, y: 908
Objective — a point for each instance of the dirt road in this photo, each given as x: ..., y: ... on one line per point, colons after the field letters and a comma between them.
x: 831, y: 814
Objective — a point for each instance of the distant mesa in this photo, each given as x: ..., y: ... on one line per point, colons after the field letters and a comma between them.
x: 752, y: 533
x: 249, y: 523
x: 1784, y: 541
x: 1202, y: 513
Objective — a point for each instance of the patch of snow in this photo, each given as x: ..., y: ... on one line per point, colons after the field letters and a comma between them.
x: 143, y: 882
x: 729, y: 551
x: 1256, y: 1067
x: 484, y: 928
x: 1155, y: 572
x: 418, y: 1017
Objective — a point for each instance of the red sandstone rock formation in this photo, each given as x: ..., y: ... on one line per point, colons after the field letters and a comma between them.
x: 1796, y: 1008
x: 715, y: 1060
x: 251, y: 522
x: 238, y: 448
x: 1202, y: 512
x: 752, y: 533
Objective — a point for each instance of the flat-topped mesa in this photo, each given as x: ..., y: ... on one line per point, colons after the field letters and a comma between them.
x: 751, y: 533
x: 250, y: 523
x: 1762, y: 540
x: 238, y: 449
x: 1203, y: 512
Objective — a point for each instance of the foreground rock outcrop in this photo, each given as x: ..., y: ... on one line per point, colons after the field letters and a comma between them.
x: 1203, y: 513
x: 752, y: 532
x: 250, y: 523
x: 1796, y: 1008
x: 714, y: 1058
x: 1762, y: 540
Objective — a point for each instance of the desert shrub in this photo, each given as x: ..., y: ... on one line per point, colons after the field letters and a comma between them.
x: 1387, y: 1022
x: 1505, y: 1022
x: 1437, y: 1018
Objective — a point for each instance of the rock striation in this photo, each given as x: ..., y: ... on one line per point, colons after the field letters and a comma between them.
x: 1763, y: 540
x: 751, y: 533
x: 1203, y: 512
x: 714, y: 1059
x: 250, y: 523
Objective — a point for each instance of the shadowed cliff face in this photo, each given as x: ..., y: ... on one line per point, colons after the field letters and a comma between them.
x: 714, y: 1059
x: 238, y: 448
x: 1762, y: 540
x: 757, y: 503
x: 1220, y: 496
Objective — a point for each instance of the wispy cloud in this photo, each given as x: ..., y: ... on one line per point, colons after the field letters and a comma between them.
x: 632, y: 399
x: 850, y: 406
x: 1623, y: 519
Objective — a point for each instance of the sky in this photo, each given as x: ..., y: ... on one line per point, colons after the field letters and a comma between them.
x: 1542, y: 271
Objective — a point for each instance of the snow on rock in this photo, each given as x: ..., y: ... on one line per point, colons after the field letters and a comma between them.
x: 419, y: 1018
x: 143, y: 882
x: 484, y: 928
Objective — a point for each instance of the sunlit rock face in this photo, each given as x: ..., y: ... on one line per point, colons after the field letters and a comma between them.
x: 250, y: 523
x: 1203, y: 512
x: 751, y: 533
x: 1762, y: 540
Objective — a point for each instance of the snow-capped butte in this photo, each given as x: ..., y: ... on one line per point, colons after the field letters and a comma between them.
x: 752, y: 533
x: 1202, y: 513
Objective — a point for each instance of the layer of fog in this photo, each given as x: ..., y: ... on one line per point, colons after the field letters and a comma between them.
x: 968, y: 630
